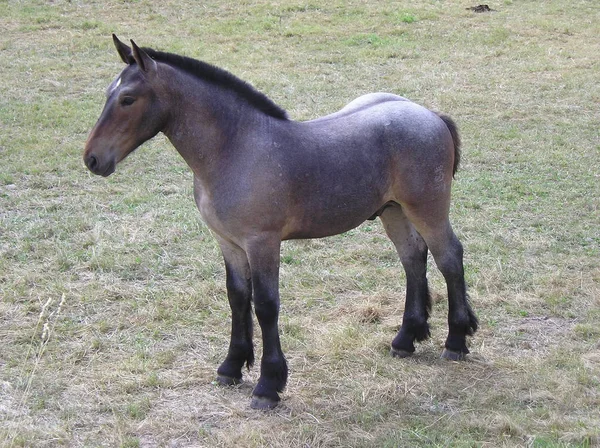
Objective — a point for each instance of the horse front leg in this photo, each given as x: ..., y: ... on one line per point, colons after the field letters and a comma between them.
x: 263, y: 255
x: 239, y: 293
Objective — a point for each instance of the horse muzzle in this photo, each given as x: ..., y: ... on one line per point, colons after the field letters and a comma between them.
x: 96, y: 166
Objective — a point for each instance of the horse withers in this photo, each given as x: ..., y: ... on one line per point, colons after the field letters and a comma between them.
x: 261, y: 178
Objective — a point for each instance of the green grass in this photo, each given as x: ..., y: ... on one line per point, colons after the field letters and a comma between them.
x: 128, y: 358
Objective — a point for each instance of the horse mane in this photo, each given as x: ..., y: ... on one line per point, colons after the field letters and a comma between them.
x: 220, y: 77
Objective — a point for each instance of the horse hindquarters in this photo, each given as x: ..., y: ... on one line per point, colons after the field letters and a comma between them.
x: 423, y: 192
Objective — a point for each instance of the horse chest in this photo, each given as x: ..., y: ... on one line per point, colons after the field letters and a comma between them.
x: 207, y: 209
x: 220, y: 215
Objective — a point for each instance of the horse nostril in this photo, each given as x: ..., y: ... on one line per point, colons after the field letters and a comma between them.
x: 92, y: 163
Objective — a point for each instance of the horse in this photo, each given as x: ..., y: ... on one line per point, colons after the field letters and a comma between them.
x: 261, y: 178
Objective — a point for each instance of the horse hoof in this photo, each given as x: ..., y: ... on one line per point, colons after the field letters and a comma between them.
x: 263, y: 403
x: 228, y: 380
x: 451, y: 355
x: 397, y: 353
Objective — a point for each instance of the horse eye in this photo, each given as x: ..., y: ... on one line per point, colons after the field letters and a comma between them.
x: 127, y: 101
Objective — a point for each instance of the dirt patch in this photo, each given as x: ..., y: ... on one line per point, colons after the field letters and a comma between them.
x: 9, y: 406
x: 591, y: 361
x: 480, y: 8
x: 533, y: 336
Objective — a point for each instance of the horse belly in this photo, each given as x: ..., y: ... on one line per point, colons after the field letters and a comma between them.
x: 318, y: 228
x: 326, y: 214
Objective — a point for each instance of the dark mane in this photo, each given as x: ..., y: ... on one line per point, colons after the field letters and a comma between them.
x: 220, y: 77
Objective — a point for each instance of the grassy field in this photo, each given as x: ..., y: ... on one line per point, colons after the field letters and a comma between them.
x: 113, y: 316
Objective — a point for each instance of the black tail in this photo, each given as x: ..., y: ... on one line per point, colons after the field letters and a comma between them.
x: 455, y: 138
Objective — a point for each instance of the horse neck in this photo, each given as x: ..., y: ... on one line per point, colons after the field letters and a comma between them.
x: 202, y: 120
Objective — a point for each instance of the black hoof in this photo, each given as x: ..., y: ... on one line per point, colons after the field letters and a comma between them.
x: 399, y: 353
x: 263, y: 403
x: 228, y: 380
x: 451, y: 355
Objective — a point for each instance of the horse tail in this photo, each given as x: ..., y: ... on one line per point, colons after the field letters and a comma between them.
x: 455, y: 138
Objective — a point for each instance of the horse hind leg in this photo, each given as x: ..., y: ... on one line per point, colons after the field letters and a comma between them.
x: 412, y: 250
x: 462, y: 321
x: 433, y: 225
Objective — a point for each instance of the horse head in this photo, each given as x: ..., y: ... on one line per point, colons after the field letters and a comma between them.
x: 132, y: 113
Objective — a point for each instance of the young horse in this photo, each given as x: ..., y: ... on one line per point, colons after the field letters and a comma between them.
x: 260, y: 178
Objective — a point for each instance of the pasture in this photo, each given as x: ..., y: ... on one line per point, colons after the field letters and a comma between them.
x: 113, y: 313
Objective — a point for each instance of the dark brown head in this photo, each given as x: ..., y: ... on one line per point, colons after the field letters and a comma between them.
x: 132, y: 113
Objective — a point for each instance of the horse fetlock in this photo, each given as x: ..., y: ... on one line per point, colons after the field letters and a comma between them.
x: 463, y: 324
x: 231, y: 368
x: 402, y: 345
x: 274, y: 374
x: 265, y: 395
x: 456, y: 344
x: 422, y: 333
x: 415, y: 329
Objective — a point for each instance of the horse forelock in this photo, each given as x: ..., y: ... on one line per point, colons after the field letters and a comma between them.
x: 220, y: 77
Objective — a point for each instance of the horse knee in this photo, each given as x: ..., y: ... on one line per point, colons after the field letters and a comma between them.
x: 238, y: 289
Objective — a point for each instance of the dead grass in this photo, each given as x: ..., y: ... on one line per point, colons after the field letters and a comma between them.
x: 130, y: 354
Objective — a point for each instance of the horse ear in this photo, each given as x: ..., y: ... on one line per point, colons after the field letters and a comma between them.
x: 123, y: 50
x: 145, y: 62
